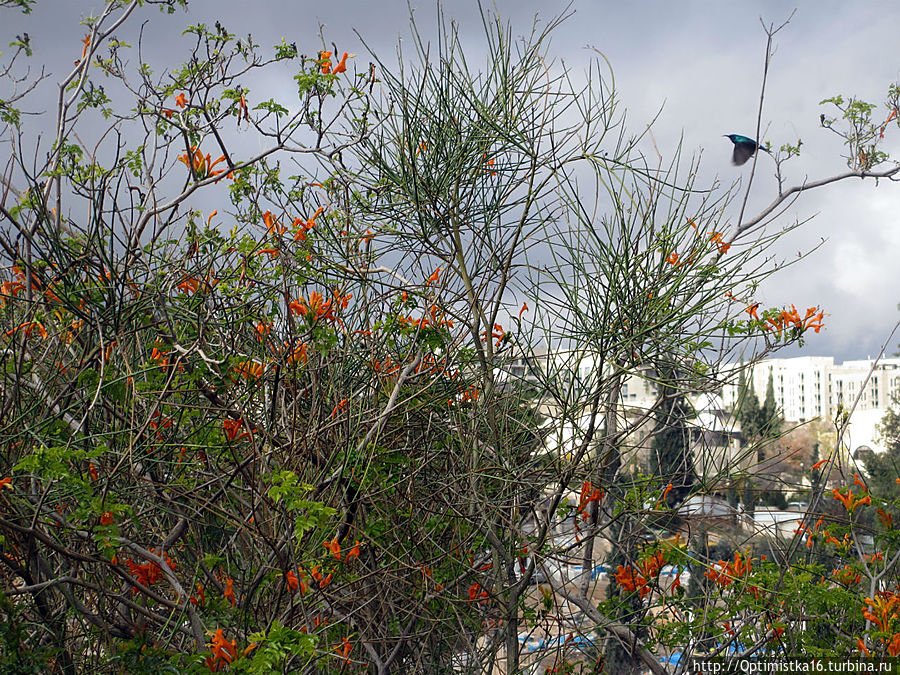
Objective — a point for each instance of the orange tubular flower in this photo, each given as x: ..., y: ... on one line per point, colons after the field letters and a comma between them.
x: 881, y: 610
x: 820, y: 463
x: 477, y: 593
x: 346, y: 646
x: 334, y: 546
x: 887, y: 519
x: 341, y: 66
x: 434, y: 277
x: 353, y: 553
x: 233, y: 429
x: 751, y: 310
x: 222, y: 651
x: 228, y: 593
x: 629, y: 579
x: 28, y: 328
x: 893, y: 646
x: 317, y: 307
x: 849, y: 502
x: 720, y: 243
x: 181, y: 100
x: 200, y: 598
x: 297, y: 354
x: 272, y: 225
x: 672, y: 259
x: 305, y: 226
x: 263, y: 328
x: 106, y: 518
x: 249, y: 370
x: 201, y: 166
x: 340, y: 407
x: 325, y: 62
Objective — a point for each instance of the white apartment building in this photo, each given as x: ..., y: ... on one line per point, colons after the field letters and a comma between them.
x: 811, y: 387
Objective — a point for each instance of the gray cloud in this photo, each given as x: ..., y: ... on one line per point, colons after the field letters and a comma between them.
x: 701, y: 61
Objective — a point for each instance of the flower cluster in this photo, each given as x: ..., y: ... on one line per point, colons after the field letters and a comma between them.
x: 201, y: 165
x: 316, y: 307
x: 724, y: 573
x: 589, y: 494
x: 792, y: 319
x: 148, y: 573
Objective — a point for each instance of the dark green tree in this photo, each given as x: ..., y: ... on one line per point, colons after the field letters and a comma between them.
x: 670, y: 450
x: 770, y: 417
x: 884, y: 468
x: 748, y: 411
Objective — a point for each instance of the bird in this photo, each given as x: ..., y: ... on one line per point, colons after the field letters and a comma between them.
x: 743, y: 148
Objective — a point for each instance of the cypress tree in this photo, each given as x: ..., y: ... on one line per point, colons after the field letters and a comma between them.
x: 670, y: 449
x: 771, y: 419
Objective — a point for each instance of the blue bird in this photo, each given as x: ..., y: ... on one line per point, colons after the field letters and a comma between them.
x: 743, y: 148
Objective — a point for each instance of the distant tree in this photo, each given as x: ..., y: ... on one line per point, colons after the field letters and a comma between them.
x: 670, y: 453
x: 884, y: 468
x: 747, y: 410
x: 770, y: 417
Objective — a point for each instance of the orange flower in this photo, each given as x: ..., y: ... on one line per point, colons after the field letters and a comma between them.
x: 523, y: 310
x: 341, y: 67
x: 886, y: 518
x: 95, y: 475
x: 861, y: 646
x: 325, y: 62
x: 201, y: 594
x: 306, y: 226
x: 249, y: 370
x: 819, y: 464
x: 28, y: 328
x: 291, y: 579
x: 881, y: 610
x: 322, y: 581
x: 672, y: 259
x: 342, y: 405
x: 86, y: 41
x: 893, y: 647
x: 630, y: 580
x: 223, y: 652
x: 477, y: 593
x: 181, y: 100
x: 272, y: 225
x: 228, y: 593
x: 201, y: 166
x: 298, y: 354
x: 353, y: 553
x: 751, y: 310
x: 233, y: 429
x: 345, y: 647
x: 262, y: 329
x: 589, y: 494
x: 106, y: 518
x: 849, y: 502
x: 722, y: 245
x: 148, y: 573
x: 434, y: 277
x: 317, y: 307
x: 334, y: 546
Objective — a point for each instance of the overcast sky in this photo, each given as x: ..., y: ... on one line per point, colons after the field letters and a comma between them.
x: 700, y: 61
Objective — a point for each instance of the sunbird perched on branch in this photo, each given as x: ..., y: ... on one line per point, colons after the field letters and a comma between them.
x: 743, y: 148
